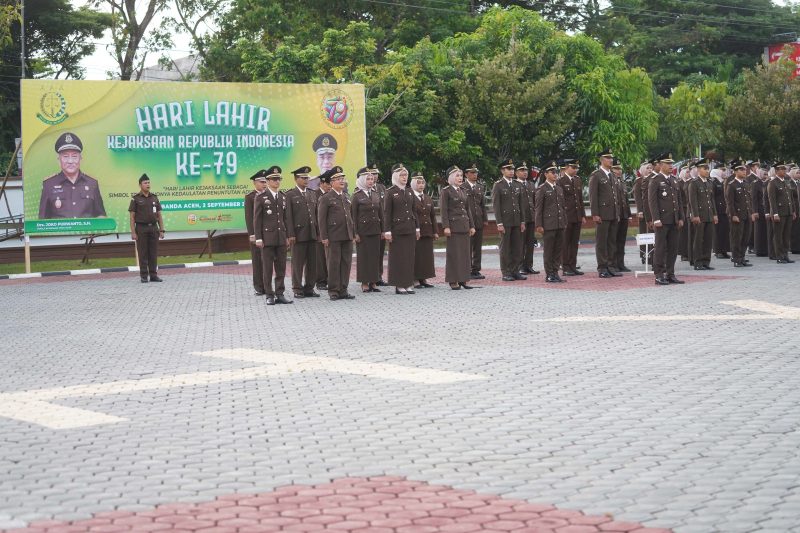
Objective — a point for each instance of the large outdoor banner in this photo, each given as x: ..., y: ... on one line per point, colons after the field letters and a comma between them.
x: 86, y: 143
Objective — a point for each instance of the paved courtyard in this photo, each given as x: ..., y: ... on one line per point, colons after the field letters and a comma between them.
x: 594, y: 405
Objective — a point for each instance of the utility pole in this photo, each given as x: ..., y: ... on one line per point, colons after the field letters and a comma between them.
x: 22, y: 36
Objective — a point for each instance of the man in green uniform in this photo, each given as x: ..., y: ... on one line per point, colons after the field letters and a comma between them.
x: 781, y: 207
x: 703, y: 215
x: 668, y: 217
x: 147, y: 227
x: 603, y: 201
x: 507, y: 200
x: 551, y: 219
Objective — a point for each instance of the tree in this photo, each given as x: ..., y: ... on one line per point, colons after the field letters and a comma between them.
x: 58, y: 37
x: 692, y: 117
x: 513, y: 105
x: 569, y: 15
x: 675, y: 39
x: 132, y: 35
x: 393, y: 26
x: 761, y: 117
x: 193, y: 17
x: 9, y: 15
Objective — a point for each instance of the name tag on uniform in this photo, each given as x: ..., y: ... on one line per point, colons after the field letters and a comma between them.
x: 154, y: 208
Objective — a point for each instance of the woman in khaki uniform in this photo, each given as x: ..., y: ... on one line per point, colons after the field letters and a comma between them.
x: 424, y: 266
x: 458, y: 228
x: 401, y: 231
x: 368, y: 218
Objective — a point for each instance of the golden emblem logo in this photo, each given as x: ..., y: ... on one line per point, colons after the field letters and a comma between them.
x: 191, y: 218
x: 52, y: 109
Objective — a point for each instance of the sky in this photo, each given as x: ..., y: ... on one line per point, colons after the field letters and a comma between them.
x: 98, y: 64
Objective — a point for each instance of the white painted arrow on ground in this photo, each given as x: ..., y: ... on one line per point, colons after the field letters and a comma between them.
x: 35, y: 406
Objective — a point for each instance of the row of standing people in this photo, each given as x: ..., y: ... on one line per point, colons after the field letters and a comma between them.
x: 322, y: 226
x: 704, y: 210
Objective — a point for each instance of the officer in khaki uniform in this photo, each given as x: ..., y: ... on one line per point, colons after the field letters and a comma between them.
x: 271, y: 218
x: 147, y: 227
x: 507, y: 200
x: 551, y: 220
x: 521, y: 173
x: 703, y: 213
x: 665, y: 207
x: 336, y: 228
x: 301, y: 227
x: 259, y: 184
x: 70, y: 193
x: 740, y: 212
x: 781, y: 207
x: 322, y: 254
x: 476, y: 200
x: 624, y: 218
x: 604, y: 204
x: 572, y: 186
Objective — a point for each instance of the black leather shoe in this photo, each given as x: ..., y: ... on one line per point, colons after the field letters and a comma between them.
x: 346, y: 296
x: 374, y: 289
x: 520, y: 277
x: 270, y: 300
x: 623, y: 268
x: 464, y: 285
x: 551, y: 279
x: 398, y: 291
x: 707, y: 267
x: 782, y: 261
x: 382, y: 283
x: 662, y: 281
x: 299, y: 295
x: 615, y: 274
x: 143, y: 280
x: 476, y: 275
x: 280, y: 299
x: 259, y: 293
x: 509, y: 278
x: 605, y: 274
x: 569, y: 273
x: 427, y: 285
x: 578, y: 273
x: 334, y: 297
x: 675, y: 281
x: 418, y: 287
x: 558, y: 279
x: 699, y: 267
x: 455, y: 286
x: 322, y: 286
x: 156, y: 279
x: 410, y: 291
x: 311, y: 294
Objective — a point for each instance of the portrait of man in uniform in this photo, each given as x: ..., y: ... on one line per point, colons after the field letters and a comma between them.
x: 324, y: 147
x: 70, y: 193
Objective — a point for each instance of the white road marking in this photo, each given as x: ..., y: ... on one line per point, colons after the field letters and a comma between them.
x: 771, y: 312
x: 34, y: 406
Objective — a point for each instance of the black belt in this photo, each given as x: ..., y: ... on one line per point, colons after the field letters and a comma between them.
x: 145, y: 223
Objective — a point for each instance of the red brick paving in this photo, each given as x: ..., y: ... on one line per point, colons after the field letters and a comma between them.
x: 382, y: 504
